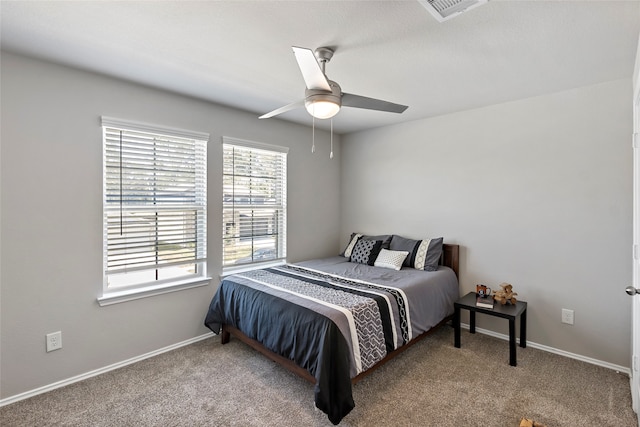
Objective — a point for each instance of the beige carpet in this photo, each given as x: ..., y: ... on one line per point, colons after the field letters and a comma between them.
x: 431, y: 384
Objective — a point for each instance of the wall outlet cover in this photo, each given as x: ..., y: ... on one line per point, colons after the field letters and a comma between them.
x: 54, y: 341
x: 567, y: 316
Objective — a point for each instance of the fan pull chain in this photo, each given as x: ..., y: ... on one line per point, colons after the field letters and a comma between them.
x: 331, y: 153
x: 313, y: 134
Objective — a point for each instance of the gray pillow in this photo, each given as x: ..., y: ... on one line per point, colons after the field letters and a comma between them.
x: 423, y: 254
x: 384, y: 238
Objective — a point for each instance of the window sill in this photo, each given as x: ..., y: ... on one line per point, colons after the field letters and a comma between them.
x: 248, y: 267
x: 150, y: 291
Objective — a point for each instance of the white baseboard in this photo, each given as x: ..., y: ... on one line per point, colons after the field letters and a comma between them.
x: 68, y: 381
x: 617, y: 368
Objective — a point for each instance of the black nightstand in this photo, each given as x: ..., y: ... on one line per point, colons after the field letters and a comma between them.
x: 511, y: 312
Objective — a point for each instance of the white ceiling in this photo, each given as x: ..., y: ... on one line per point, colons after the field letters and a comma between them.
x: 238, y: 53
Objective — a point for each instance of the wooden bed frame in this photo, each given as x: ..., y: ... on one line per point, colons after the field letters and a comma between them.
x: 450, y: 258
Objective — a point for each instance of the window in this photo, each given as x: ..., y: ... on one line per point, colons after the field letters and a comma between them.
x: 155, y: 206
x: 254, y: 203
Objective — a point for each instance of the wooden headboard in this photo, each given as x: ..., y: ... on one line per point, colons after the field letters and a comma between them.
x: 450, y: 257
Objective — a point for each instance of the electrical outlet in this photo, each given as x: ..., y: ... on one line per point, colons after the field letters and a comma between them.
x: 54, y: 341
x: 567, y: 316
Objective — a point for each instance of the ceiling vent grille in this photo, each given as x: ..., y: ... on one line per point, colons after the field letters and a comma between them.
x: 443, y: 10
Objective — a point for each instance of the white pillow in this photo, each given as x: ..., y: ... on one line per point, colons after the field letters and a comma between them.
x: 390, y: 259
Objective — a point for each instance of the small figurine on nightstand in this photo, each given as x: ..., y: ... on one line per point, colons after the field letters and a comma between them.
x: 505, y: 295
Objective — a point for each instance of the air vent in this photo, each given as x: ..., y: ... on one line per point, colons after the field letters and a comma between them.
x: 443, y: 10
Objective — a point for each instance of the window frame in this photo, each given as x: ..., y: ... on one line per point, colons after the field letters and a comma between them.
x: 281, y: 205
x: 142, y: 289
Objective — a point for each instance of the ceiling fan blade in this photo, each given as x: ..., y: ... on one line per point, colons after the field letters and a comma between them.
x: 292, y: 106
x: 312, y: 74
x: 357, y: 101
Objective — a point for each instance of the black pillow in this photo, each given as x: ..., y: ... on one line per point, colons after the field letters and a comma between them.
x: 366, y: 251
x: 385, y: 238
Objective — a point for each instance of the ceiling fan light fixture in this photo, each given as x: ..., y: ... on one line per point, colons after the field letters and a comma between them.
x: 322, y: 108
x: 323, y: 104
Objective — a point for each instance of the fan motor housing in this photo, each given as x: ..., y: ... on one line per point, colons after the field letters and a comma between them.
x: 313, y: 95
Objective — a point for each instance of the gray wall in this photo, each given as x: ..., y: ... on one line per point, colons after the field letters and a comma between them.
x: 537, y: 192
x: 51, y: 198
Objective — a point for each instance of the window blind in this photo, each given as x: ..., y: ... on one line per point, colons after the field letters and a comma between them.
x: 254, y: 202
x: 154, y: 203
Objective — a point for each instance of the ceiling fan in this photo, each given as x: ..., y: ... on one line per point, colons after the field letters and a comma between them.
x: 323, y: 97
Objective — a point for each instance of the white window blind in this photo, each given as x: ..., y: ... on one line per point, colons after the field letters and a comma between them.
x: 155, y: 205
x: 254, y: 202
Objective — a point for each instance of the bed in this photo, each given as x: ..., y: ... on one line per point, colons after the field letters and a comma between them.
x: 332, y: 321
